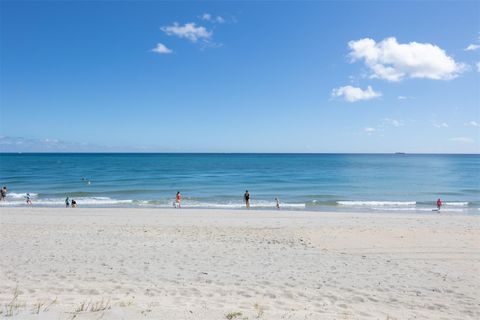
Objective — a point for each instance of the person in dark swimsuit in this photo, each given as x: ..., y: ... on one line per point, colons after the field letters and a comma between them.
x: 246, y: 197
x: 3, y: 194
x: 28, y: 199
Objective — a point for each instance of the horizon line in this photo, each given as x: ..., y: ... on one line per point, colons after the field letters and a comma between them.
x: 400, y: 153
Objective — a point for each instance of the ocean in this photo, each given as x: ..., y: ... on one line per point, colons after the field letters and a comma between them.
x: 323, y: 182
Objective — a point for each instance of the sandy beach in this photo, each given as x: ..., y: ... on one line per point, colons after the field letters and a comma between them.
x: 238, y: 264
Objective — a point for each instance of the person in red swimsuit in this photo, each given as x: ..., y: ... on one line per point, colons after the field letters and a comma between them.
x: 178, y: 199
x: 439, y: 204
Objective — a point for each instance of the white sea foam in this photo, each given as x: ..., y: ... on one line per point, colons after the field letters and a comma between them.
x: 377, y: 203
x: 242, y: 205
x: 414, y: 209
x: 92, y: 201
x: 18, y: 199
x: 13, y: 195
x: 226, y: 205
x: 106, y: 201
x: 457, y: 204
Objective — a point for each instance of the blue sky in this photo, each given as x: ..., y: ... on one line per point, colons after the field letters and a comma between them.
x: 240, y: 76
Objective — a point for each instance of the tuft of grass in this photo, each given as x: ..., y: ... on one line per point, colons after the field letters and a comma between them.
x: 13, y: 305
x: 90, y: 306
x: 81, y: 307
x: 43, y: 305
x: 233, y: 315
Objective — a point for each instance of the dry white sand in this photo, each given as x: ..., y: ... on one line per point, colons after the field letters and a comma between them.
x: 220, y: 264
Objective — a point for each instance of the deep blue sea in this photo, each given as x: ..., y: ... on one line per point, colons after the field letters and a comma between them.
x: 359, y: 182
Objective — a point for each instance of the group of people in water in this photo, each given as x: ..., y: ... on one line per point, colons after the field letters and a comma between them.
x: 177, y: 204
x: 246, y: 198
x: 69, y: 203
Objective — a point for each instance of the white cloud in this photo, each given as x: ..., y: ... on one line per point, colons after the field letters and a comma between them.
x: 394, y: 61
x: 188, y: 31
x: 352, y: 94
x: 440, y: 125
x: 206, y: 17
x: 472, y: 124
x: 393, y: 122
x: 210, y: 18
x: 369, y: 130
x: 478, y: 66
x: 462, y: 140
x: 472, y: 47
x: 162, y: 49
x: 402, y: 98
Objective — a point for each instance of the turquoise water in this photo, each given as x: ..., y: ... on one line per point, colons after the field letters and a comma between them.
x: 365, y: 182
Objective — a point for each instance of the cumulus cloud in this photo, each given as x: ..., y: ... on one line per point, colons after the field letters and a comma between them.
x: 162, y: 49
x: 393, y: 61
x: 352, y: 94
x: 462, y: 140
x: 188, y: 31
x: 472, y: 124
x: 211, y: 18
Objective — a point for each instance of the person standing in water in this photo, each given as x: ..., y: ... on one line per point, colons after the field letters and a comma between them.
x: 277, y: 203
x: 178, y: 199
x: 439, y: 204
x: 27, y: 197
x: 246, y: 197
x: 3, y: 193
x: 67, y: 202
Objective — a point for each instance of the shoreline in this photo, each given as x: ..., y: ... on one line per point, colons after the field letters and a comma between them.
x: 458, y: 208
x: 265, y: 264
